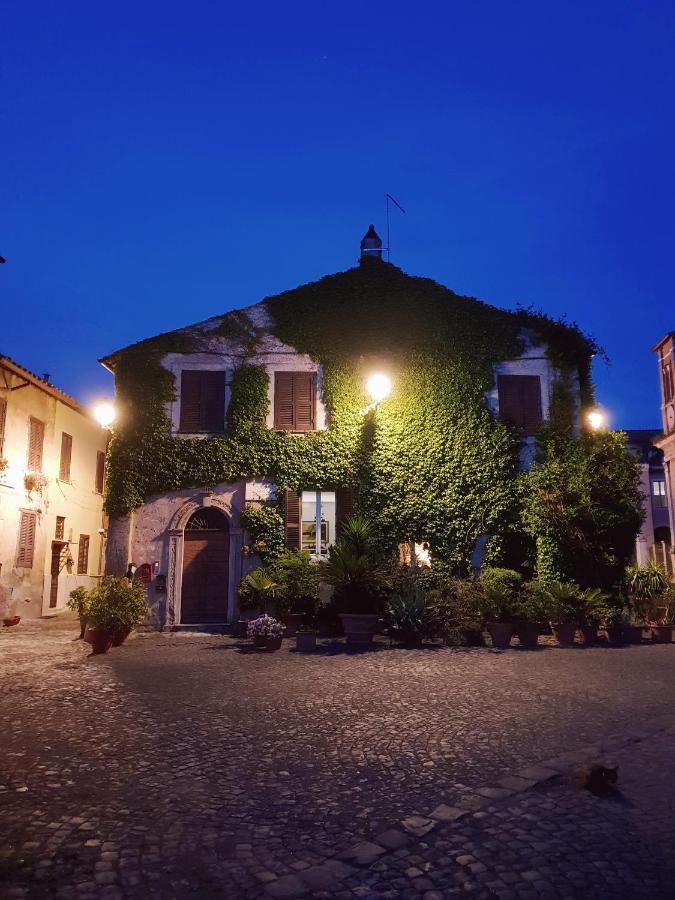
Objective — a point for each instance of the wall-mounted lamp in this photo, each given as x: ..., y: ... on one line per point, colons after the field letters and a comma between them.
x: 379, y: 387
x: 597, y: 419
x: 105, y: 414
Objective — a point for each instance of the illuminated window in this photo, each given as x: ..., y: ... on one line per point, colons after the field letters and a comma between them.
x: 317, y: 531
x: 659, y: 494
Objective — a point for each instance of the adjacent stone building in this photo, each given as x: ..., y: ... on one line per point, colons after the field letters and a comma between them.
x: 52, y: 463
x: 665, y: 351
x: 654, y: 540
x: 265, y: 408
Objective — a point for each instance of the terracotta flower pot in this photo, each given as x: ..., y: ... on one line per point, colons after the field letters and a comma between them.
x: 240, y: 627
x: 564, y: 633
x: 293, y: 623
x: 305, y: 641
x: 359, y: 629
x: 589, y: 633
x: 259, y: 640
x: 11, y: 621
x: 500, y: 634
x: 662, y: 634
x: 528, y: 635
x: 632, y: 634
x: 615, y: 634
x: 119, y: 637
x: 101, y: 641
x: 274, y: 643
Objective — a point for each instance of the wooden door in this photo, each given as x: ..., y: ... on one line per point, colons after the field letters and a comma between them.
x: 55, y: 569
x: 206, y: 551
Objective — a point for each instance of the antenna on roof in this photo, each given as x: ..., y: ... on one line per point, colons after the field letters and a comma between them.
x: 390, y: 198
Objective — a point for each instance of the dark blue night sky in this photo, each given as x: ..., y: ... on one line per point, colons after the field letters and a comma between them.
x: 162, y: 163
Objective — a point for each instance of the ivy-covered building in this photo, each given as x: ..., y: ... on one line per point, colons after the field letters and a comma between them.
x: 253, y: 430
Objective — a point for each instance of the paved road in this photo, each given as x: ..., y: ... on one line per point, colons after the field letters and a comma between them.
x: 186, y: 766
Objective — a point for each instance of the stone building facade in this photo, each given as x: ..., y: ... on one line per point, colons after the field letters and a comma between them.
x: 52, y: 463
x: 189, y: 541
x: 665, y: 351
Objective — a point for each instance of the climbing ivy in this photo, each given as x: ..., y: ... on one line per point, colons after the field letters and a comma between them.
x: 430, y: 462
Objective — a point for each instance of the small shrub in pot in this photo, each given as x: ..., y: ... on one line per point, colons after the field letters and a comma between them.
x: 531, y: 610
x: 78, y: 601
x: 116, y: 606
x: 500, y: 590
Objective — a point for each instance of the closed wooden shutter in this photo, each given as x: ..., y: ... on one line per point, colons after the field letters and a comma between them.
x: 292, y: 506
x: 35, y: 444
x: 60, y: 527
x: 520, y: 401
x: 3, y: 419
x: 344, y: 508
x: 100, y: 471
x: 295, y: 401
x: 27, y: 525
x: 83, y: 555
x: 202, y: 401
x: 66, y: 454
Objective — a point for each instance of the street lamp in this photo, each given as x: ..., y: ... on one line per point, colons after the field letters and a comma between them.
x: 379, y: 387
x: 105, y: 414
x: 597, y: 419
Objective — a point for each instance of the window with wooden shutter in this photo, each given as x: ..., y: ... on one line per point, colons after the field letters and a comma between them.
x: 27, y: 524
x: 35, y: 443
x: 60, y: 528
x: 292, y: 519
x: 295, y: 401
x: 66, y: 453
x: 520, y: 401
x: 202, y: 401
x: 100, y: 472
x: 83, y: 555
x: 344, y: 508
x: 3, y: 419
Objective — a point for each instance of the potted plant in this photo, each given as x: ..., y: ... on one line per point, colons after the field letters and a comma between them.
x: 644, y: 585
x: 255, y: 592
x: 358, y: 581
x: 412, y: 614
x: 78, y: 602
x: 616, y: 619
x: 265, y: 632
x: 499, y: 590
x: 662, y: 628
x: 565, y: 598
x: 531, y: 610
x: 9, y: 607
x: 593, y: 612
x: 116, y: 606
x: 297, y: 594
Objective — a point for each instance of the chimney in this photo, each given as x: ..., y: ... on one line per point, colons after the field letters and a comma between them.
x: 371, y: 245
x: 46, y: 376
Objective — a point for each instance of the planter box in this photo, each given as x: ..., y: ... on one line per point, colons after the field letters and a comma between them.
x: 359, y: 629
x: 293, y: 622
x: 101, y: 641
x: 11, y: 621
x: 589, y: 633
x: 632, y: 634
x: 615, y: 634
x: 500, y: 634
x: 564, y: 633
x: 528, y: 635
x: 662, y: 634
x: 305, y: 641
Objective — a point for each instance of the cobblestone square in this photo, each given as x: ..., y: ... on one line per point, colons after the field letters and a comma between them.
x: 188, y: 766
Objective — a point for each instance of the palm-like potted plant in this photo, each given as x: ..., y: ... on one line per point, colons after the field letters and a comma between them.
x: 115, y: 607
x: 499, y: 593
x: 358, y: 580
x: 644, y: 584
x: 593, y: 612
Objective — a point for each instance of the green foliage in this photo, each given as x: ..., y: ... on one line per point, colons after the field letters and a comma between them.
x: 564, y: 600
x: 355, y: 570
x: 298, y: 580
x: 533, y: 605
x: 116, y: 604
x: 265, y: 526
x: 78, y: 601
x: 413, y: 613
x: 583, y: 507
x: 257, y: 589
x: 646, y: 586
x: 247, y: 409
x: 499, y: 593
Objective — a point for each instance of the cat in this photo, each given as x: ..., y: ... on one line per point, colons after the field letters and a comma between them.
x: 599, y: 779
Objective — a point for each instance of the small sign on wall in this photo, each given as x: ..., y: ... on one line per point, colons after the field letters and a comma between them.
x: 144, y: 573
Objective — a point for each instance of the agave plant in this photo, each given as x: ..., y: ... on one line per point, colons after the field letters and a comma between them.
x: 352, y: 567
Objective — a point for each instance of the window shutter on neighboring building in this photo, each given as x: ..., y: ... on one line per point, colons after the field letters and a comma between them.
x: 26, y: 539
x: 100, y: 472
x: 35, y: 444
x: 202, y: 401
x: 292, y: 506
x: 294, y: 401
x: 66, y: 454
x: 83, y: 555
x: 344, y: 508
x: 520, y: 401
x: 3, y: 419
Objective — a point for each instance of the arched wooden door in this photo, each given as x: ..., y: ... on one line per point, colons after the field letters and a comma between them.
x: 206, y: 557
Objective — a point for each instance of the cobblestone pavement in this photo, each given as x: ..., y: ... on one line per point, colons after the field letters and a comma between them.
x: 188, y: 766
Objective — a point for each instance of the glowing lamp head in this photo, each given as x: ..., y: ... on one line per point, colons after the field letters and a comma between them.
x: 105, y: 414
x: 596, y: 419
x: 379, y: 387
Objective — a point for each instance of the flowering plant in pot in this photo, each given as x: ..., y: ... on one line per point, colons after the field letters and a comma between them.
x: 500, y: 590
x: 358, y: 579
x: 265, y: 632
x: 116, y: 606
